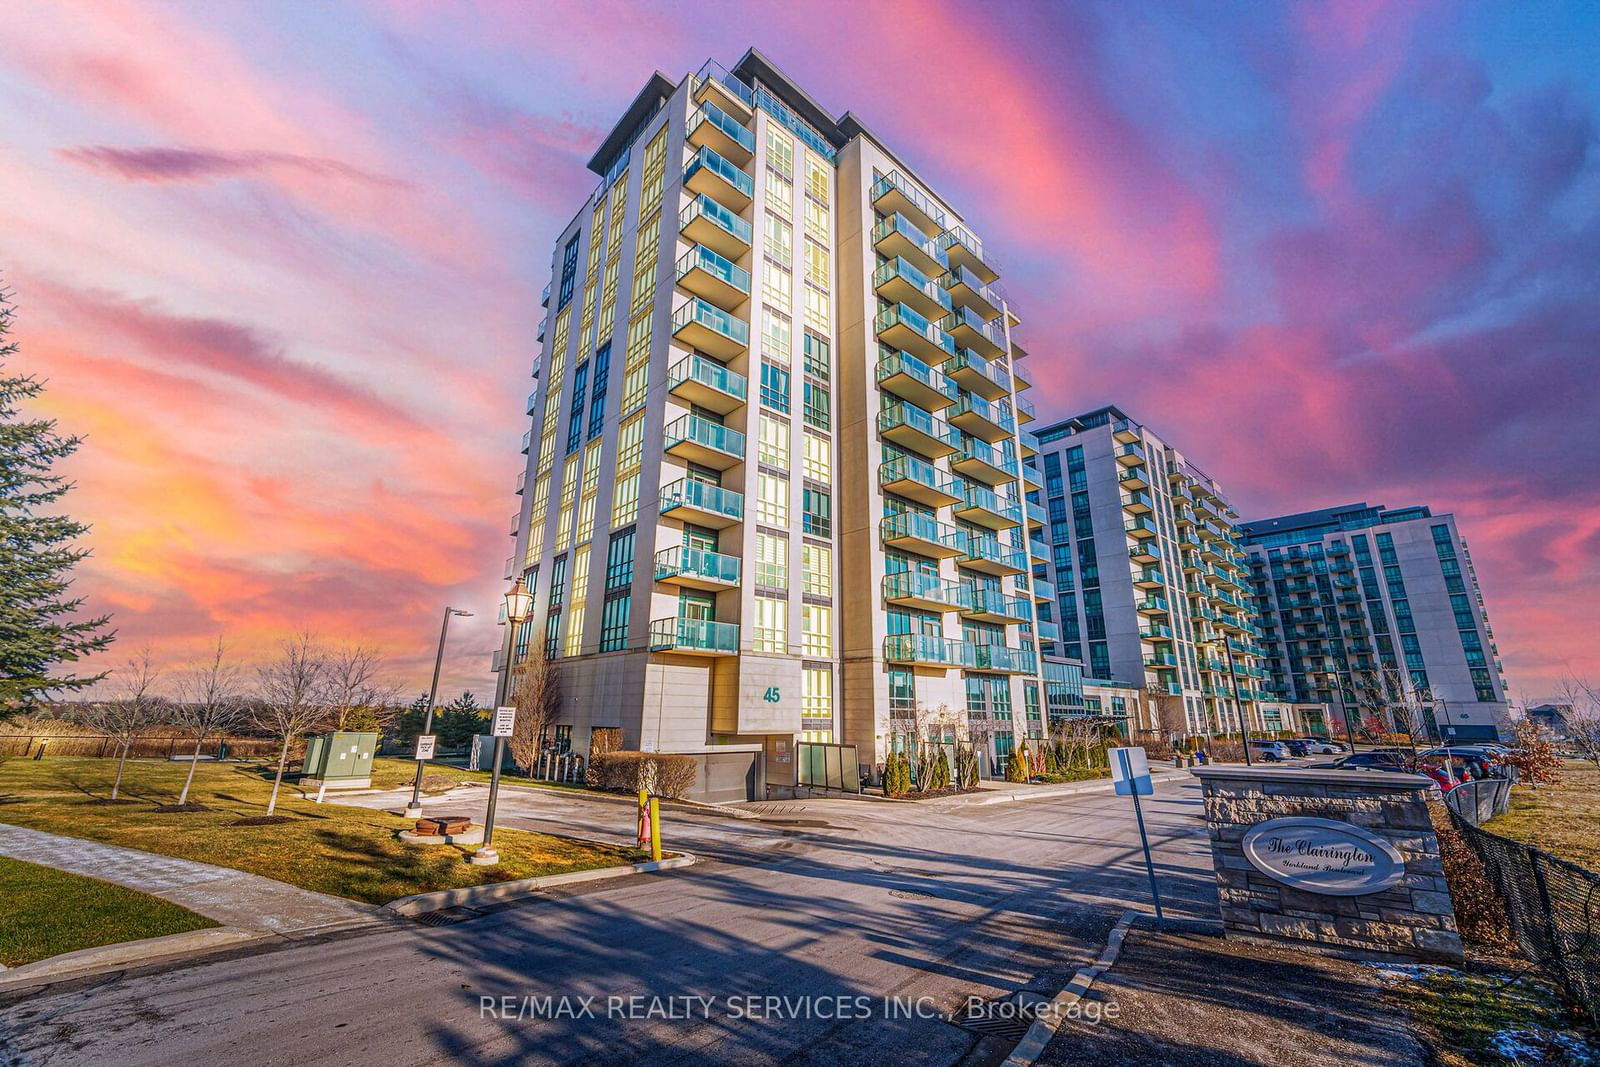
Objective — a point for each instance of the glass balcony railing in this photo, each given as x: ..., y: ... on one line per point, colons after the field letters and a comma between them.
x: 685, y: 561
x: 703, y: 207
x: 713, y: 71
x: 975, y: 497
x: 998, y: 657
x: 897, y: 413
x: 527, y: 441
x: 707, y: 373
x: 729, y: 126
x: 978, y: 451
x: 962, y: 278
x: 1037, y: 513
x: 991, y: 602
x: 972, y: 329
x: 893, y: 363
x: 901, y: 232
x: 900, y: 269
x: 919, y: 472
x: 993, y: 377
x: 702, y: 497
x: 959, y: 236
x: 894, y: 183
x: 972, y: 404
x: 705, y: 160
x: 702, y: 314
x: 909, y: 328
x: 694, y: 635
x: 981, y: 549
x: 922, y: 648
x: 915, y: 526
x: 719, y: 267
x: 915, y: 585
x: 1044, y: 590
x: 693, y: 429
x: 1154, y: 604
x: 1026, y: 410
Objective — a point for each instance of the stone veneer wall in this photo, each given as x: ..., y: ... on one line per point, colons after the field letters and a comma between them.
x: 1413, y: 919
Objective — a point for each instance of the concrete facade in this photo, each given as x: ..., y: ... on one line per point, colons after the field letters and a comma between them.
x: 1368, y: 611
x: 741, y: 427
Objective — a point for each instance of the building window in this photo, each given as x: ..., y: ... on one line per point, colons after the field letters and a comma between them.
x: 772, y: 625
x: 817, y: 361
x: 775, y: 387
x: 580, y: 380
x: 816, y: 702
x: 902, y: 694
x: 818, y: 407
x: 602, y: 377
x: 569, y: 272
x: 773, y: 447
x: 619, y: 560
x: 772, y: 500
x: 558, y: 581
x: 614, y: 622
x: 772, y: 561
x: 816, y: 630
x: 818, y: 518
x: 819, y: 458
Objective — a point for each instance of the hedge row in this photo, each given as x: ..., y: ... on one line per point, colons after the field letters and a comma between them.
x: 661, y: 774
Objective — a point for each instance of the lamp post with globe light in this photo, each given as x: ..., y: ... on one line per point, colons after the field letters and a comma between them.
x: 519, y: 602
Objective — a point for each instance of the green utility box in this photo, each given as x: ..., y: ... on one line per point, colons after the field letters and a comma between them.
x: 339, y: 760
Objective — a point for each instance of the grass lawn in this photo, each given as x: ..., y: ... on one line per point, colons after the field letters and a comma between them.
x: 391, y: 773
x: 1475, y: 1019
x: 1564, y: 819
x: 344, y: 851
x: 47, y: 912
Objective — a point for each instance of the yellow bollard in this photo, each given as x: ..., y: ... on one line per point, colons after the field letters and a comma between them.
x: 655, y: 828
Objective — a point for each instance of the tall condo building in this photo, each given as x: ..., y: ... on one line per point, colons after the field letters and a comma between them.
x: 773, y: 491
x: 1151, y: 582
x: 1358, y: 602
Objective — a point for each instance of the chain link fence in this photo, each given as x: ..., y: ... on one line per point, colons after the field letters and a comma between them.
x: 1553, y: 907
x: 1478, y: 802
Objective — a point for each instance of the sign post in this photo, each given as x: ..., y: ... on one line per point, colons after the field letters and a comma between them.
x: 425, y: 746
x: 505, y: 720
x: 1130, y: 776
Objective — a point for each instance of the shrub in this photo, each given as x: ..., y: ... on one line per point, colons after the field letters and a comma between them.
x: 1480, y: 913
x: 658, y: 773
x: 1051, y: 766
x: 939, y: 776
x: 1017, y: 766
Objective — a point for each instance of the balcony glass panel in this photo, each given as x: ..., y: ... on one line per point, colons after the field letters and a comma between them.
x: 719, y: 267
x: 707, y: 160
x: 694, y: 635
x: 702, y: 496
x: 704, y: 432
x: 708, y: 373
x: 730, y: 126
x: 697, y: 563
x: 704, y: 207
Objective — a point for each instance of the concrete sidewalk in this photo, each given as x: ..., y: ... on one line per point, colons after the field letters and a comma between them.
x: 232, y: 898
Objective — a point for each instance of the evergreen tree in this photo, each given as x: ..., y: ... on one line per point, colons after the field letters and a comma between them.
x: 38, y: 628
x: 465, y: 702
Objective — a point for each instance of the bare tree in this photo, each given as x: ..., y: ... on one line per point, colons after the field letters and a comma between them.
x: 1387, y: 698
x: 293, y: 698
x: 358, y: 698
x: 536, y: 694
x: 211, y: 701
x: 1168, y: 707
x: 1581, y: 720
x: 135, y: 706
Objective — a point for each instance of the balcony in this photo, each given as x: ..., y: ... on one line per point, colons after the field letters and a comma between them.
x: 702, y: 503
x: 1043, y: 590
x: 1160, y: 660
x: 910, y: 427
x: 1047, y: 631
x: 707, y: 327
x: 968, y: 330
x: 1037, y: 516
x: 1138, y: 503
x: 911, y: 379
x: 716, y: 278
x: 1149, y: 578
x: 694, y: 637
x: 713, y: 128
x: 893, y: 194
x: 710, y: 175
x: 912, y: 531
x: 527, y: 441
x: 1025, y: 410
x: 967, y: 251
x: 1131, y: 455
x: 927, y: 592
x: 1145, y: 552
x: 1019, y: 374
x: 985, y: 553
x: 522, y: 482
x: 699, y: 440
x: 985, y: 507
x: 1133, y: 478
x: 899, y: 281
x: 1152, y: 605
x: 707, y: 384
x: 1031, y: 482
x: 706, y: 222
x: 899, y: 326
x: 1156, y: 631
x: 896, y: 237
x: 1028, y: 441
x: 544, y: 297
x: 532, y: 402
x: 967, y: 290
x: 985, y: 463
x: 917, y: 479
x: 977, y: 416
x: 924, y: 650
x: 538, y: 334
x: 696, y: 568
x: 987, y: 605
x: 972, y: 371
x: 997, y: 657
x: 1140, y: 527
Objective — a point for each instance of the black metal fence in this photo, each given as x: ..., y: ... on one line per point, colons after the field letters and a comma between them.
x: 30, y: 745
x: 1478, y: 802
x: 1553, y: 907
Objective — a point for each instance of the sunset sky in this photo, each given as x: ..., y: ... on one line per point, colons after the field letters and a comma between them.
x: 281, y: 264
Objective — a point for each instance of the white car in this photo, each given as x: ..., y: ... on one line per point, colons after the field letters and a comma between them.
x: 1321, y: 746
x: 1270, y: 750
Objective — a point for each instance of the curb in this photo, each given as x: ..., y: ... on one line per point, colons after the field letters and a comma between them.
x: 128, y: 954
x: 1045, y: 1024
x: 495, y: 892
x: 1098, y: 785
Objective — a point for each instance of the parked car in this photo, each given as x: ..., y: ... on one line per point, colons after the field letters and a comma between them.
x: 1321, y: 746
x: 1376, y: 760
x: 1296, y: 747
x: 1271, y: 751
x: 1465, y: 751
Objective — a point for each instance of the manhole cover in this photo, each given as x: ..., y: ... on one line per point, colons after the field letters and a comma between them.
x: 1009, y: 1016
x: 447, y: 916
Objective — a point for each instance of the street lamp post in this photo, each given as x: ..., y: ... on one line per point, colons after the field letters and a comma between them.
x: 414, y: 809
x: 1238, y: 705
x: 519, y: 603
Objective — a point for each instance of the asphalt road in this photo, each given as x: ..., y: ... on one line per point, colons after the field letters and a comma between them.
x: 847, y: 943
